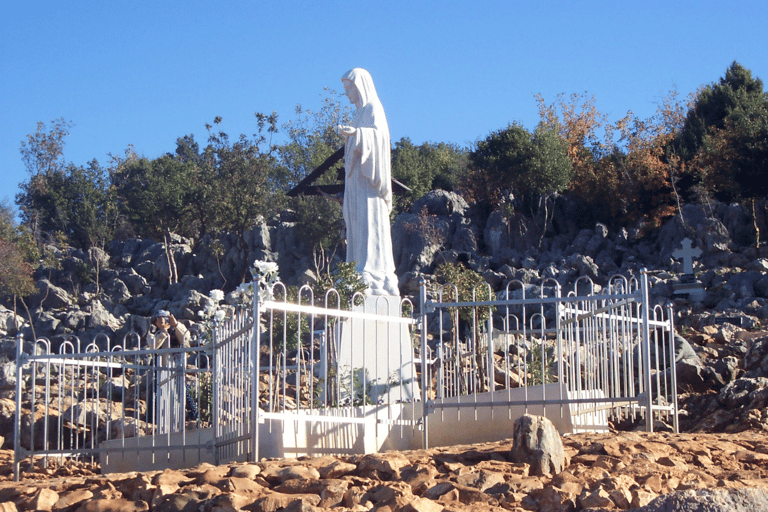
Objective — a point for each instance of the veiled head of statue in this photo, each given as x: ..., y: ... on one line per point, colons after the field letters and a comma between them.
x: 364, y: 84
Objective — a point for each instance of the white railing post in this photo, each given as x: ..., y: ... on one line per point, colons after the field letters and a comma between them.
x: 673, y: 366
x: 17, y: 419
x: 646, y: 350
x: 255, y: 366
x: 216, y: 385
x: 491, y: 366
x: 424, y: 360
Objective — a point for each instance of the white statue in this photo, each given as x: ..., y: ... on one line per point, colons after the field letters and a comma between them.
x: 368, y: 186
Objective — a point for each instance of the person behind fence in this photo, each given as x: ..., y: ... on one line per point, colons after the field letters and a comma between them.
x: 170, y: 373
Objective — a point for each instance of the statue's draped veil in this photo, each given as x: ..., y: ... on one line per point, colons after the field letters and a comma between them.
x: 371, y: 115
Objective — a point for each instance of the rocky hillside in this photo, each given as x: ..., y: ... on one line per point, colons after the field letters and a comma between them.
x: 115, y: 289
x: 723, y: 363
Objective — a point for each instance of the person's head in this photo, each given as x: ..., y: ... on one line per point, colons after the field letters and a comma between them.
x: 162, y: 319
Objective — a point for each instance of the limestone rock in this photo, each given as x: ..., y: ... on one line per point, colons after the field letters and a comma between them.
x: 711, y: 500
x: 536, y: 442
x: 50, y: 296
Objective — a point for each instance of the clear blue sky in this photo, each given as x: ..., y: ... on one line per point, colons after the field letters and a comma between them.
x: 145, y: 73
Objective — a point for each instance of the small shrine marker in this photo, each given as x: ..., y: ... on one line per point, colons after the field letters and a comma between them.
x: 687, y: 253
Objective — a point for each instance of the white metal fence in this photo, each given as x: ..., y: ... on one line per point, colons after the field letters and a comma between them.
x: 594, y: 356
x: 599, y: 354
x: 126, y: 404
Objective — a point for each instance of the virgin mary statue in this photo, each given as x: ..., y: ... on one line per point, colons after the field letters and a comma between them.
x: 368, y: 186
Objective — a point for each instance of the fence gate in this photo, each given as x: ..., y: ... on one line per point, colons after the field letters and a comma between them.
x: 234, y: 389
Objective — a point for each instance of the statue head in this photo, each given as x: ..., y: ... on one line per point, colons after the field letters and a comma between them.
x: 352, y: 93
x: 363, y: 82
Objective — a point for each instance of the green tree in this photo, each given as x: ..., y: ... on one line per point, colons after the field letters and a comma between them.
x: 16, y: 250
x: 425, y: 167
x: 43, y: 151
x: 736, y: 96
x: 312, y: 138
x: 43, y: 155
x: 62, y: 197
x: 725, y: 138
x: 15, y: 275
x: 243, y: 179
x: 153, y: 196
x: 735, y: 162
x: 516, y: 160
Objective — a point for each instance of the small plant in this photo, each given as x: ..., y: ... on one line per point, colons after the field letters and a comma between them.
x: 362, y: 388
x: 355, y: 387
x: 344, y: 278
x: 469, y: 286
x: 539, y: 366
x: 82, y: 271
x: 202, y: 394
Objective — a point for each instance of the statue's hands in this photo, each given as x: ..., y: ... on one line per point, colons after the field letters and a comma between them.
x: 346, y: 131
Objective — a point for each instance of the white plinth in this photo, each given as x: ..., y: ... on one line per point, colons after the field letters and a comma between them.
x: 375, y: 357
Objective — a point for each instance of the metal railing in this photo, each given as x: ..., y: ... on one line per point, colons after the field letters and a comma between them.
x: 84, y: 403
x: 608, y: 354
x: 601, y: 352
x: 315, y: 365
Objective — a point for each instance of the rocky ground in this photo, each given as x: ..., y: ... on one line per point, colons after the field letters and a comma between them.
x: 613, y: 471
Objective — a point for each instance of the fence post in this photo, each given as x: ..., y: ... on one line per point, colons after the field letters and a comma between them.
x: 216, y: 385
x: 255, y: 369
x: 673, y: 365
x: 17, y: 419
x: 646, y: 350
x: 424, y: 359
x: 489, y: 329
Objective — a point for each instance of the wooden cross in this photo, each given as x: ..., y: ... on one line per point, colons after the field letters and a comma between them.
x: 687, y: 253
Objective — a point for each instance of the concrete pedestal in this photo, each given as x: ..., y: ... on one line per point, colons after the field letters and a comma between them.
x: 689, y: 288
x: 375, y: 355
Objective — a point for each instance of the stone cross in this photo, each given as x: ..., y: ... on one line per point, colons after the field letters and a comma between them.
x: 687, y: 253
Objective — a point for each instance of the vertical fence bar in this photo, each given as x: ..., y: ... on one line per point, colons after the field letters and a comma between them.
x: 17, y: 422
x: 216, y: 385
x: 646, y: 351
x: 256, y: 368
x: 424, y: 360
x: 673, y: 367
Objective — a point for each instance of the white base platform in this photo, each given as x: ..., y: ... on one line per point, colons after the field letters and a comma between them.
x: 371, y: 429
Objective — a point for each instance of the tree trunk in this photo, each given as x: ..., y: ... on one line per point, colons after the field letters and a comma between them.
x: 29, y: 316
x: 173, y: 278
x: 754, y: 223
x: 15, y: 326
x: 543, y: 200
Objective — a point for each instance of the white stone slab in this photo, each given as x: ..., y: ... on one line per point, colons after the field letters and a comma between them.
x: 375, y: 357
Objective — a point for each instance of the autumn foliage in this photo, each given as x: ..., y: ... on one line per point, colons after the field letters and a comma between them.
x: 629, y: 173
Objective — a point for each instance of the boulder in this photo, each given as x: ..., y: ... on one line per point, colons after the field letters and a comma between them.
x: 50, y: 296
x: 536, y: 442
x: 416, y: 239
x: 9, y: 322
x: 749, y: 499
x: 117, y: 290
